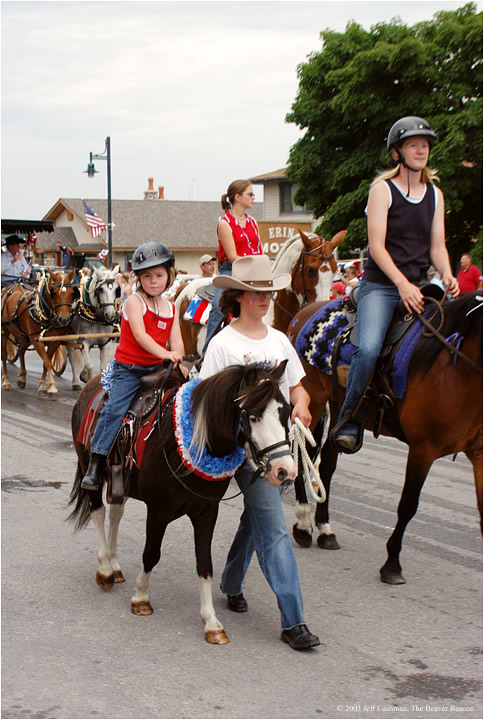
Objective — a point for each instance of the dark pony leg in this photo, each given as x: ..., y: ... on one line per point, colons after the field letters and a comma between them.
x: 203, y: 526
x: 156, y: 526
x: 418, y: 466
x: 329, y: 457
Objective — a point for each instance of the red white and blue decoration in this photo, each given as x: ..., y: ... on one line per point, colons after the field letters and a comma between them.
x: 198, y: 311
x: 206, y: 466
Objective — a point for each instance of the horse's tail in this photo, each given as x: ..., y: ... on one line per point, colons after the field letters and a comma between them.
x: 82, y: 511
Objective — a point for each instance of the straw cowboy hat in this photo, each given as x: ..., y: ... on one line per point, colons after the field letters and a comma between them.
x: 252, y: 272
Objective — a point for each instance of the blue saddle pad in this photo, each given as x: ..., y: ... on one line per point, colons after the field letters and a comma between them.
x: 315, y: 342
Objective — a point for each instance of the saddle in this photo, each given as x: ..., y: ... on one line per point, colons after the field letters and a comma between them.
x: 379, y: 387
x: 153, y: 400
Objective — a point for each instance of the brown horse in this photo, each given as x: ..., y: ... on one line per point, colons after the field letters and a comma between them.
x: 440, y: 413
x: 238, y: 407
x: 30, y: 315
x: 308, y: 258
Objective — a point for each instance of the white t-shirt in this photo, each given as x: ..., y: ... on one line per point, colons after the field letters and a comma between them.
x: 230, y: 347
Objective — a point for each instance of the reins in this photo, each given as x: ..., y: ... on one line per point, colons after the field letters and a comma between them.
x: 430, y: 330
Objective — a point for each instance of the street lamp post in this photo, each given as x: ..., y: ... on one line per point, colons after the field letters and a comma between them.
x: 91, y: 170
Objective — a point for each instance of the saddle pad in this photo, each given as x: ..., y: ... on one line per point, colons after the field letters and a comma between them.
x: 198, y: 311
x: 90, y: 414
x: 315, y: 340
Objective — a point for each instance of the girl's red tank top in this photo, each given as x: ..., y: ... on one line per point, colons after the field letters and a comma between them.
x: 247, y: 240
x: 129, y: 351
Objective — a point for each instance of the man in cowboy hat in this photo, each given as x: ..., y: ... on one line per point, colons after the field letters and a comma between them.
x: 14, y: 265
x: 247, y: 294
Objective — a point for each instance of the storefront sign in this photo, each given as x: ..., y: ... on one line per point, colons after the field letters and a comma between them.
x: 273, y: 234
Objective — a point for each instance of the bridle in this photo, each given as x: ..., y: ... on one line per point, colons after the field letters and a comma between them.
x: 261, y: 458
x: 300, y: 267
x: 96, y: 313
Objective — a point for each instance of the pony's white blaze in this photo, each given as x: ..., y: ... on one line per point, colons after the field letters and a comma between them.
x: 267, y: 431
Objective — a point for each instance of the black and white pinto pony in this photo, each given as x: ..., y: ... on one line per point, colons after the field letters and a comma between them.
x: 96, y: 313
x: 189, y: 458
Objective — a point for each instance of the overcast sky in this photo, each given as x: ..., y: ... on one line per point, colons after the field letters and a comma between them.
x: 193, y: 94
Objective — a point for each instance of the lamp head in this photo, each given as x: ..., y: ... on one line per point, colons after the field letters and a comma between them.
x: 91, y: 170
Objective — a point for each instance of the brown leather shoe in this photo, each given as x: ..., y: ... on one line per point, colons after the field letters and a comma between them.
x: 299, y: 638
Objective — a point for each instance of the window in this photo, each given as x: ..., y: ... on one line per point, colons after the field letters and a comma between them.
x: 286, y: 199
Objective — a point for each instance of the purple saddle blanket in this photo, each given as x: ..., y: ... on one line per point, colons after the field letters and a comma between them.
x: 316, y: 339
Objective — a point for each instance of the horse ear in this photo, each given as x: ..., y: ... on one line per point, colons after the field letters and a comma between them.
x: 115, y: 270
x: 336, y: 240
x: 305, y: 239
x: 70, y: 276
x: 277, y: 372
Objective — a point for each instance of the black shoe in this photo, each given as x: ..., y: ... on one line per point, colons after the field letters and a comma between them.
x: 299, y: 638
x: 92, y: 478
x: 236, y: 603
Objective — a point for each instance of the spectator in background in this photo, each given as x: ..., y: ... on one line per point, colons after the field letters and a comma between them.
x: 469, y: 276
x: 207, y: 265
x: 66, y: 254
x: 337, y: 290
x: 350, y: 277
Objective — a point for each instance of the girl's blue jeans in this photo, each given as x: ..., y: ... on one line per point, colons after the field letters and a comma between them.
x: 126, y: 380
x: 216, y: 317
x: 263, y: 528
x: 376, y: 306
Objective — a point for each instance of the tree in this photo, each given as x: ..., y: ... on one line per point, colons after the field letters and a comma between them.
x: 353, y: 90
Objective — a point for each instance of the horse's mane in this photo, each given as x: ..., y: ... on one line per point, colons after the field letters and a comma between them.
x: 213, y: 404
x: 458, y: 318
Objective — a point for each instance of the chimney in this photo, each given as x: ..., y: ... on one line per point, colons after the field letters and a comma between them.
x: 151, y: 193
x: 161, y: 192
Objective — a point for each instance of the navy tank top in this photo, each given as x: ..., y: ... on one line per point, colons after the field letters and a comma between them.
x: 407, y: 240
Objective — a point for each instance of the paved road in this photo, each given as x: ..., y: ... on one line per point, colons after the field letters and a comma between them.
x: 72, y: 651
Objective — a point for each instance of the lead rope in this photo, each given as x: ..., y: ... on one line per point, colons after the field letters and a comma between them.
x: 298, y: 435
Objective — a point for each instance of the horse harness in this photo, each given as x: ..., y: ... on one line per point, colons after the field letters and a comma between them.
x: 95, y: 313
x: 36, y: 300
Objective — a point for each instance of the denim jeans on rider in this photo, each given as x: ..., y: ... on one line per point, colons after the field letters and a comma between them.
x: 216, y: 317
x: 263, y: 528
x: 376, y: 306
x: 126, y: 380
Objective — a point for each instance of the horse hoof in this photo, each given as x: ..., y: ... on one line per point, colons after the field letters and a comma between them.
x: 392, y: 578
x: 328, y: 542
x: 216, y: 637
x: 105, y: 583
x: 302, y: 537
x: 21, y: 383
x: 6, y: 387
x: 52, y: 396
x: 141, y: 608
x: 119, y: 577
x: 76, y: 386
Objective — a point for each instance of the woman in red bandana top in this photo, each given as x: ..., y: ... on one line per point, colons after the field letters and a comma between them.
x: 238, y: 235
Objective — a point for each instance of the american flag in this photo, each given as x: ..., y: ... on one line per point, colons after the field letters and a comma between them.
x: 94, y: 221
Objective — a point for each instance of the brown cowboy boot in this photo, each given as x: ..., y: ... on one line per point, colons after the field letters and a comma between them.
x: 93, y: 477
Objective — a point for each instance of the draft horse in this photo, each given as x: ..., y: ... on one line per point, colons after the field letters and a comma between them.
x: 95, y: 312
x: 440, y: 414
x: 240, y: 407
x: 30, y: 315
x: 307, y: 257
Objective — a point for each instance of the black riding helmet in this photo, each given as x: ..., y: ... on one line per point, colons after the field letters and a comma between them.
x: 409, y: 127
x: 151, y: 254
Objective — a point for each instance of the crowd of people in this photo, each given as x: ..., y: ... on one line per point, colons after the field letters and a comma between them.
x: 405, y: 219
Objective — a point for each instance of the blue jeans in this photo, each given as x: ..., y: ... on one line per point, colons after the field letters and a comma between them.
x: 263, y: 528
x: 216, y: 317
x: 126, y: 380
x: 376, y: 306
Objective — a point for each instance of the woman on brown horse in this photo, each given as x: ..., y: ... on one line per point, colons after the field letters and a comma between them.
x: 405, y: 224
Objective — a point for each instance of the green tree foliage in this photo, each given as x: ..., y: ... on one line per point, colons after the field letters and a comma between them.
x: 353, y: 90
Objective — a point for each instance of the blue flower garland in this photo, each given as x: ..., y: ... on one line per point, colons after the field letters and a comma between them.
x: 208, y: 466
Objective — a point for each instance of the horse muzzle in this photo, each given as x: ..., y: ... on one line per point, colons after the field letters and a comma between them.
x: 281, y: 472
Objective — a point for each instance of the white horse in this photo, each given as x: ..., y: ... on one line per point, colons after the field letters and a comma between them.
x: 96, y: 312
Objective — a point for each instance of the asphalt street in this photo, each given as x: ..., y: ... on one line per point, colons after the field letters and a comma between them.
x: 71, y: 650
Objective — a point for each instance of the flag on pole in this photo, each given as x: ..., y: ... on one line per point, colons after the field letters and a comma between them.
x: 102, y: 254
x: 94, y: 221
